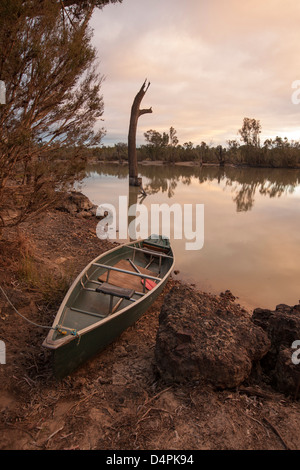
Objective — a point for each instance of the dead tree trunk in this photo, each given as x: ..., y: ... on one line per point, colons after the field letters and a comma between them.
x: 136, y: 112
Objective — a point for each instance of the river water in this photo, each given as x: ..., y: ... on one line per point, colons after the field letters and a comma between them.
x: 251, y: 224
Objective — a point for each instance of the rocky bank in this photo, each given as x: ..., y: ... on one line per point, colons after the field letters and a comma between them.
x: 213, y: 340
x: 207, y: 338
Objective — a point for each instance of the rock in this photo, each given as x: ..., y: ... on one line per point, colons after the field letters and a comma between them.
x: 286, y: 373
x: 283, y: 328
x: 207, y: 338
x: 77, y: 204
x: 228, y: 295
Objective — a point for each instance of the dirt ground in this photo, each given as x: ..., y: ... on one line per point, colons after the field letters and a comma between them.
x: 116, y: 401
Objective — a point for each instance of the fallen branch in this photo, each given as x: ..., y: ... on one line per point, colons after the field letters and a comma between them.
x: 254, y: 391
x: 156, y: 396
x: 83, y: 400
x: 53, y: 434
x: 253, y: 419
x: 155, y: 409
x: 275, y: 430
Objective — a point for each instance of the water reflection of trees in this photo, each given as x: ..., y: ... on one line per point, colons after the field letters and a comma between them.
x: 248, y: 182
x: 108, y: 169
x: 244, y: 183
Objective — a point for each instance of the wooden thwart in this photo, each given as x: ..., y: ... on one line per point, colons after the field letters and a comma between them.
x: 150, y: 252
x: 116, y: 291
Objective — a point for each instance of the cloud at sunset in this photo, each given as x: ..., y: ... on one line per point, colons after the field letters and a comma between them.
x: 210, y: 64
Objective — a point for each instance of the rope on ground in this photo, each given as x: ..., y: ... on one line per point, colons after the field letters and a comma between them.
x: 59, y: 328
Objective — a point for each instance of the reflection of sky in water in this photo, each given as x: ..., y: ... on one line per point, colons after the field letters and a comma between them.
x: 251, y: 232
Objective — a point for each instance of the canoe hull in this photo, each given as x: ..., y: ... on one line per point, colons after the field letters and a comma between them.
x: 71, y: 351
x: 70, y: 356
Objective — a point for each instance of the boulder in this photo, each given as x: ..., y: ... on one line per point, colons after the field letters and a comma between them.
x: 77, y: 204
x: 282, y: 326
x: 286, y: 373
x: 207, y: 338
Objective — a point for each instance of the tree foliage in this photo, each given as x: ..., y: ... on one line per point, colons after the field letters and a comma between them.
x: 83, y: 4
x: 161, y: 146
x: 250, y: 132
x: 53, y: 98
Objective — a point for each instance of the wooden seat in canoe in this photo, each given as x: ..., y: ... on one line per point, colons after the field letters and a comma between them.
x: 116, y: 291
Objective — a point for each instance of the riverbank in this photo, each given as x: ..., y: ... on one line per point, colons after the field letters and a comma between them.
x: 192, y: 163
x: 116, y: 400
x: 158, y: 163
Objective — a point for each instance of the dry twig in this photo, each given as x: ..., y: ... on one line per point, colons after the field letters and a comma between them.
x: 150, y: 409
x: 275, y: 430
x: 53, y: 434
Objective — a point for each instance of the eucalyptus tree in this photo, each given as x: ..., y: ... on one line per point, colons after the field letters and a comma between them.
x: 173, y: 143
x: 250, y: 132
x: 156, y: 143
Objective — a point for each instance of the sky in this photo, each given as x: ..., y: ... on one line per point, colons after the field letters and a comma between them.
x: 210, y: 64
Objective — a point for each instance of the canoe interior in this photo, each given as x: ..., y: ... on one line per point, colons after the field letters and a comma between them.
x: 85, y: 306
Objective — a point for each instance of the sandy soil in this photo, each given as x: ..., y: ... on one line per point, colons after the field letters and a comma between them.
x: 116, y: 401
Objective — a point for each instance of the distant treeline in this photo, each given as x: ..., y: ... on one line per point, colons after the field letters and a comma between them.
x: 275, y: 153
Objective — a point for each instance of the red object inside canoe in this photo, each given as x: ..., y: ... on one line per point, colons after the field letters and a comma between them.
x: 149, y: 284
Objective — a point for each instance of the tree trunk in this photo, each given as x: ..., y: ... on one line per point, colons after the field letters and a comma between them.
x: 132, y: 202
x: 136, y: 112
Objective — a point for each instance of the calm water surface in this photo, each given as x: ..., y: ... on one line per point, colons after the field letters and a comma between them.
x: 251, y: 228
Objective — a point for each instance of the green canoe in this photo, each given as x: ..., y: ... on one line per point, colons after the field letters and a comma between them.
x: 108, y: 296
